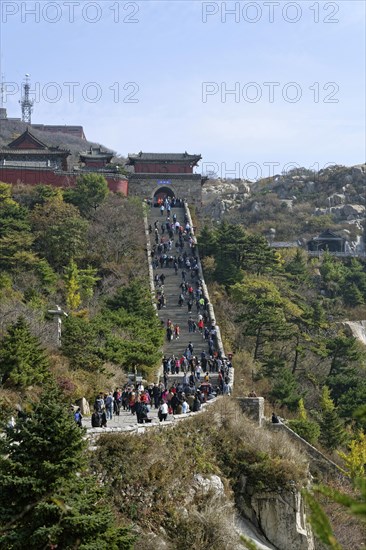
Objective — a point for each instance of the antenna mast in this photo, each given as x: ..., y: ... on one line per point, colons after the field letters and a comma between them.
x: 2, y: 92
x: 26, y: 103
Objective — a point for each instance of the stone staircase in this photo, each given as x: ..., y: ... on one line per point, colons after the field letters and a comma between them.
x: 178, y: 315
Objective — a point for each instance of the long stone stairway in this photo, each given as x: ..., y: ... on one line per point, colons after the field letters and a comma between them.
x: 177, y: 314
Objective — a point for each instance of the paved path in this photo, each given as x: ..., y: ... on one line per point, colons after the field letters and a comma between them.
x: 126, y: 419
x: 178, y: 315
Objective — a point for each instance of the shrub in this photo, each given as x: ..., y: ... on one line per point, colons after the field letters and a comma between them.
x: 306, y: 429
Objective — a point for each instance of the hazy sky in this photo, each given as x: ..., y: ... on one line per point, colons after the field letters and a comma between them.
x: 157, y: 75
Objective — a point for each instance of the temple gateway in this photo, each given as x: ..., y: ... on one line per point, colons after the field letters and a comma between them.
x: 165, y: 174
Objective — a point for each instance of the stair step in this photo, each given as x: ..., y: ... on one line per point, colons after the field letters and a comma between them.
x: 178, y: 315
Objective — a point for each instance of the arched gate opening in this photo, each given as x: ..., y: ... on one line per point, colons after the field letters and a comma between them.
x: 161, y: 194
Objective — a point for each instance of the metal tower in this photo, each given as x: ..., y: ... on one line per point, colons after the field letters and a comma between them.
x: 26, y: 102
x: 2, y: 92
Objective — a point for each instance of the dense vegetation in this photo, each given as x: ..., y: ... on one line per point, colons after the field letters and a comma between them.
x: 78, y: 248
x: 282, y: 315
x: 153, y: 477
x: 49, y: 498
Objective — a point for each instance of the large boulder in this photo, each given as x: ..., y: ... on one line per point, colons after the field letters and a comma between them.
x: 209, y: 484
x: 280, y: 516
x: 336, y: 199
x: 353, y: 210
x: 283, y: 519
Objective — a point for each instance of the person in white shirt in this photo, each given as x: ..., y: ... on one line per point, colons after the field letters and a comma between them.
x: 163, y: 411
x: 185, y: 407
x: 198, y: 371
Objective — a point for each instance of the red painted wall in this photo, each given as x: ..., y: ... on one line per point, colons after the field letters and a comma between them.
x: 156, y: 168
x: 48, y: 177
x: 95, y: 163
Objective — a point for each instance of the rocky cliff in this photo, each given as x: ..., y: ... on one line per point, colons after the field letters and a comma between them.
x: 337, y: 190
x: 280, y: 516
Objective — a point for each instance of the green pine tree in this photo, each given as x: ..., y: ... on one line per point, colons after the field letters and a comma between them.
x: 81, y: 343
x: 285, y: 389
x: 47, y: 498
x: 353, y: 296
x: 297, y: 267
x: 332, y: 434
x: 22, y: 360
x: 90, y: 192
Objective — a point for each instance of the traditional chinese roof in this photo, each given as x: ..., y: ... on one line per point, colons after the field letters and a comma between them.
x: 27, y: 143
x: 41, y: 152
x: 162, y: 157
x: 328, y: 235
x: 96, y: 153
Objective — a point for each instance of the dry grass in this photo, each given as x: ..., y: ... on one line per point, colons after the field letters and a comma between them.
x: 80, y: 383
x: 228, y: 415
x: 208, y: 526
x: 151, y: 475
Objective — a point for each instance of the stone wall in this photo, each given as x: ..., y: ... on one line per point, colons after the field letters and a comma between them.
x: 211, y: 312
x: 318, y: 462
x: 253, y: 407
x: 184, y: 186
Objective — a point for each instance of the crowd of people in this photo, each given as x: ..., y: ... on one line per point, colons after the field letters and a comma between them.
x: 179, y: 398
x: 198, y: 376
x: 170, y: 235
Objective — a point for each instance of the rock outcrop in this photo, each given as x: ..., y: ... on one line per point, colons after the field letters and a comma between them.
x: 280, y: 516
x: 336, y: 190
x: 357, y: 329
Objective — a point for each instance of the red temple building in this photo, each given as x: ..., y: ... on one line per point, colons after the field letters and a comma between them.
x: 158, y: 163
x: 30, y: 161
x: 95, y: 158
x: 27, y: 151
x: 158, y: 174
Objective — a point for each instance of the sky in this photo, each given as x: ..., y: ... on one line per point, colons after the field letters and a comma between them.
x: 255, y: 87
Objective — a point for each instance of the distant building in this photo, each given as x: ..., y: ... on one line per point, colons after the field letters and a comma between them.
x: 27, y: 151
x: 29, y: 160
x: 96, y: 158
x: 171, y: 174
x: 327, y: 240
x: 76, y: 131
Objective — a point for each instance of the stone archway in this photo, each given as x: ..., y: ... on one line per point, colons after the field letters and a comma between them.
x: 162, y: 193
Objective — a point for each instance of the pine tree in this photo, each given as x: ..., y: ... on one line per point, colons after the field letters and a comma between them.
x: 47, y: 498
x: 306, y: 429
x: 22, y: 360
x: 332, y: 434
x: 285, y: 390
x: 81, y: 343
x: 353, y: 296
x: 297, y: 267
x: 90, y: 191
